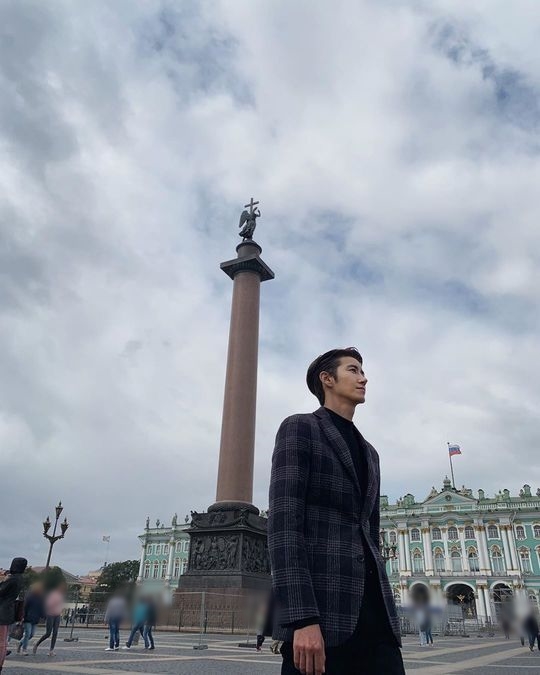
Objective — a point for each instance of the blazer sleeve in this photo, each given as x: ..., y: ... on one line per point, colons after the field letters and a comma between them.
x: 291, y: 577
x: 375, y: 517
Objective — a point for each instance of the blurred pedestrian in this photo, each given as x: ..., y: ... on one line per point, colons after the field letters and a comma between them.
x: 54, y: 606
x: 531, y: 628
x: 116, y: 612
x: 140, y: 612
x: 9, y: 592
x: 34, y: 611
x: 151, y: 620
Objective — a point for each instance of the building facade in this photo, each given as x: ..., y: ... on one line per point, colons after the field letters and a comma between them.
x: 465, y: 549
x: 164, y: 556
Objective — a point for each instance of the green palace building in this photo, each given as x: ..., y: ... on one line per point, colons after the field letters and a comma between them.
x: 164, y: 555
x: 465, y: 549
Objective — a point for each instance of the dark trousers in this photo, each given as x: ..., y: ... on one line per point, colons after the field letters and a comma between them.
x: 114, y: 633
x: 371, y: 650
x: 137, y: 628
x: 51, y: 628
x: 148, y: 637
x: 534, y: 637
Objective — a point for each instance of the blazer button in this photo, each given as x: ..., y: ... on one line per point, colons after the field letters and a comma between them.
x: 360, y: 557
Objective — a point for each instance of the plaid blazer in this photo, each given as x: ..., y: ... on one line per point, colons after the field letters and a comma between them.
x: 314, y: 525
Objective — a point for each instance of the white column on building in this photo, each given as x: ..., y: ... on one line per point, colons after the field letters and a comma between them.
x: 141, y: 564
x: 481, y: 609
x: 485, y: 565
x: 407, y: 552
x: 401, y: 550
x: 170, y: 562
x: 507, y: 552
x: 428, y: 555
x: 489, y: 613
x: 461, y: 531
x: 447, y: 565
x: 512, y: 547
x: 405, y: 598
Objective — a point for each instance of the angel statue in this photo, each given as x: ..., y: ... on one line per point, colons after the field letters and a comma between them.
x: 248, y: 220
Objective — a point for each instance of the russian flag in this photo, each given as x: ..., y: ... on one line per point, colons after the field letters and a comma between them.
x: 454, y: 450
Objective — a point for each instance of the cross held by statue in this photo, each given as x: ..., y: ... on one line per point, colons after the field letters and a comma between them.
x: 251, y: 205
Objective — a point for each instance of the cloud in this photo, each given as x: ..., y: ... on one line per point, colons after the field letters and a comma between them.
x: 394, y: 152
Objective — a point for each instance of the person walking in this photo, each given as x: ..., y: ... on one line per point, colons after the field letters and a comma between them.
x: 140, y: 613
x: 334, y: 606
x: 54, y: 606
x: 151, y: 619
x: 9, y: 592
x: 427, y: 627
x: 531, y: 628
x: 34, y: 611
x: 115, y: 613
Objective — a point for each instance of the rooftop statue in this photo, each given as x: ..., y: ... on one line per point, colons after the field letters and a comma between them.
x: 248, y: 220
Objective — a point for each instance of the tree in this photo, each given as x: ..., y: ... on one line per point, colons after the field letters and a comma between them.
x: 29, y: 577
x: 114, y: 577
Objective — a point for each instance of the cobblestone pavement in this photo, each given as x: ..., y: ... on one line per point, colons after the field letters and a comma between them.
x: 174, y: 654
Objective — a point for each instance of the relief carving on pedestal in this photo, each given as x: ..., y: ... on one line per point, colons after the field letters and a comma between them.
x: 255, y: 556
x: 214, y: 553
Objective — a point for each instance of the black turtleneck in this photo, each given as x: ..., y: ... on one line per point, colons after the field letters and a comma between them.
x: 357, y: 448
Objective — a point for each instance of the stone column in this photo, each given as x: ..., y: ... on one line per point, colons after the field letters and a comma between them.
x: 236, y: 454
x: 408, y: 565
x: 507, y: 553
x: 512, y: 547
x: 481, y: 609
x: 464, y: 555
x: 141, y: 563
x: 401, y: 550
x: 485, y: 565
x: 447, y: 565
x: 487, y: 601
x: 170, y: 562
x: 428, y: 554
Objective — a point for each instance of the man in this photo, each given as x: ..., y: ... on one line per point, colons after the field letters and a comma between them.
x: 114, y: 615
x: 54, y: 606
x: 9, y: 592
x: 334, y: 606
x: 34, y: 610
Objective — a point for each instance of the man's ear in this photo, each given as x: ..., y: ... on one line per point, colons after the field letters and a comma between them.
x: 326, y: 379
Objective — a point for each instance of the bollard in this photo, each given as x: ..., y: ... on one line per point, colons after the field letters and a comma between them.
x: 203, y: 606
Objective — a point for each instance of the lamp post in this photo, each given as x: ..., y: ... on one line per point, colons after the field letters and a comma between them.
x: 388, y: 551
x: 53, y: 538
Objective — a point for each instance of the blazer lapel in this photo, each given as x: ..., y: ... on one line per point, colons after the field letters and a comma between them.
x: 338, y: 443
x: 373, y: 481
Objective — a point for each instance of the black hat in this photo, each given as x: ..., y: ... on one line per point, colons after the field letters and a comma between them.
x: 18, y: 565
x: 321, y: 363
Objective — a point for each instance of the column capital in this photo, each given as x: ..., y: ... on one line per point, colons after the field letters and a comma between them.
x: 480, y: 528
x: 425, y: 530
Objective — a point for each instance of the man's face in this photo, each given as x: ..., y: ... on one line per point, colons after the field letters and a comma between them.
x: 351, y: 381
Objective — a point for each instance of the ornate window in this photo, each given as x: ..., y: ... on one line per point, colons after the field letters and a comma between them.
x: 536, y: 530
x: 146, y: 570
x: 455, y: 557
x: 418, y: 561
x: 469, y: 532
x: 525, y: 557
x: 163, y: 569
x: 394, y: 565
x: 415, y: 534
x: 497, y: 562
x: 438, y: 558
x: 474, y: 564
x: 533, y: 599
x: 155, y: 570
x: 166, y: 549
x: 520, y: 532
x: 184, y: 566
x: 178, y: 546
x: 452, y: 533
x: 397, y: 596
x: 392, y: 537
x: 176, y: 571
x: 186, y: 546
x: 149, y: 549
x: 493, y: 532
x: 436, y: 534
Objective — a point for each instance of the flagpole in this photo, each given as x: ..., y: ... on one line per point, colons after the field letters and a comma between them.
x: 451, y: 466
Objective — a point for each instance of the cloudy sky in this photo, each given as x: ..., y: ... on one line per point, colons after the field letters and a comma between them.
x: 394, y: 148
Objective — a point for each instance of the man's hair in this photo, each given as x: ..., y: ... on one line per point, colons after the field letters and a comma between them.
x: 327, y: 363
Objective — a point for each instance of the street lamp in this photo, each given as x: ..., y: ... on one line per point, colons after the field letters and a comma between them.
x: 53, y: 538
x: 388, y: 551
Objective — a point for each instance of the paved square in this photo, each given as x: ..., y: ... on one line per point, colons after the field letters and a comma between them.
x: 175, y: 655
